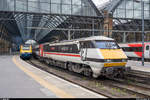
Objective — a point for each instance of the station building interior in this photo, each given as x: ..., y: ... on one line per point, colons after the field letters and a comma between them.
x: 56, y: 20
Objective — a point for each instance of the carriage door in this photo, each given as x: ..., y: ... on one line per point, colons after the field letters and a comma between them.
x: 83, y: 51
x: 147, y: 51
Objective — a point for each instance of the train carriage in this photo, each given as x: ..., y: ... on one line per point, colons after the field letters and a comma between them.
x: 93, y: 56
x: 134, y: 50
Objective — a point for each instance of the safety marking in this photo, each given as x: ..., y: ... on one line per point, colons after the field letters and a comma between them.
x: 60, y: 93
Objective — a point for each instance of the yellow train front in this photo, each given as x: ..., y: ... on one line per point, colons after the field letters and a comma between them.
x: 25, y: 52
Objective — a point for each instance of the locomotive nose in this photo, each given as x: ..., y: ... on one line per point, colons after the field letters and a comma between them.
x: 113, y: 54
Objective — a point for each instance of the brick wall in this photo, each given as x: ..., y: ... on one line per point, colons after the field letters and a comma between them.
x: 108, y: 24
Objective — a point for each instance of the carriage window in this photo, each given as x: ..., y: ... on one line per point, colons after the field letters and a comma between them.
x: 68, y: 48
x: 147, y: 47
x: 132, y: 49
x: 46, y: 48
x: 53, y: 48
x: 64, y: 48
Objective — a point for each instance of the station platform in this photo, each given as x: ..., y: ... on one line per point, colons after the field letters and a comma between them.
x: 19, y: 79
x: 137, y: 65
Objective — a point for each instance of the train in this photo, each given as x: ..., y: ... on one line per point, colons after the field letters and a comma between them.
x: 92, y: 56
x: 134, y: 50
x: 26, y: 51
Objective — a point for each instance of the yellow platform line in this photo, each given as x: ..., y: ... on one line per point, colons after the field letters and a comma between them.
x: 58, y: 92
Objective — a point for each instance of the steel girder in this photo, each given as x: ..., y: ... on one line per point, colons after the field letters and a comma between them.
x: 23, y: 19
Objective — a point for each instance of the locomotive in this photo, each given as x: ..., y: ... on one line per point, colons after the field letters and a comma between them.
x: 25, y: 51
x: 93, y: 56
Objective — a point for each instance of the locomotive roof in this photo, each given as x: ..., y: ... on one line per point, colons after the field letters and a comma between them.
x: 25, y: 45
x: 81, y: 39
x: 95, y: 38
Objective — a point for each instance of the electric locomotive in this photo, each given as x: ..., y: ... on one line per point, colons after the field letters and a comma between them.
x: 25, y: 51
x: 93, y: 56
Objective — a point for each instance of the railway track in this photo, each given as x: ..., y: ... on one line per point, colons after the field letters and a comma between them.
x: 139, y: 73
x: 111, y: 88
x: 138, y: 77
x: 134, y: 88
x: 56, y: 71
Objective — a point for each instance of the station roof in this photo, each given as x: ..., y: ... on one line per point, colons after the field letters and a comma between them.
x: 28, y: 18
x: 127, y: 14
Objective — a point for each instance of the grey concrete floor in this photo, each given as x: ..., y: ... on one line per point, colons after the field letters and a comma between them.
x: 19, y: 79
x: 14, y: 83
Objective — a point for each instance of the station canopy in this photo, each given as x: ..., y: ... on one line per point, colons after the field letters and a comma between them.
x: 28, y: 18
x: 127, y: 14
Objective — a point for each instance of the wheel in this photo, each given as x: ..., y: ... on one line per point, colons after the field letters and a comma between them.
x: 70, y: 67
x: 87, y: 72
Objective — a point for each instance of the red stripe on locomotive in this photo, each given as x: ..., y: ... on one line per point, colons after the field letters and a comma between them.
x: 60, y: 54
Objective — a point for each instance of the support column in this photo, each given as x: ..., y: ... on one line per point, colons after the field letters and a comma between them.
x: 93, y: 24
x: 134, y: 37
x: 108, y: 24
x: 25, y: 27
x: 124, y: 37
x: 69, y: 35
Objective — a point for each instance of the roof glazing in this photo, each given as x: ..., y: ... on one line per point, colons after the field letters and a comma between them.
x: 55, y: 7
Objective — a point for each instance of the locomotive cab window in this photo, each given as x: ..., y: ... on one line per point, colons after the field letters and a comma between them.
x: 107, y: 45
x: 87, y: 44
x: 26, y: 47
